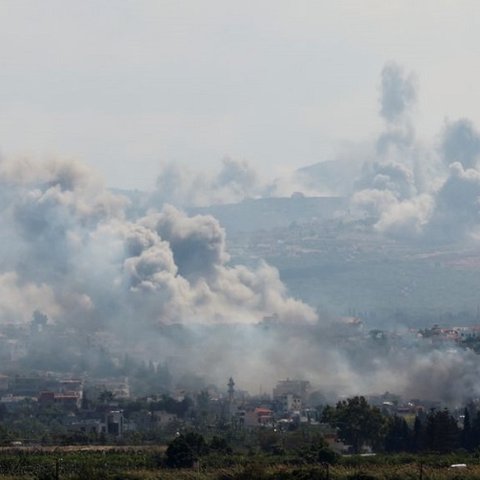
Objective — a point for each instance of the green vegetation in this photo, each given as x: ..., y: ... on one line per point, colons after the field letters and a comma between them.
x: 425, y: 449
x: 149, y: 464
x: 358, y: 423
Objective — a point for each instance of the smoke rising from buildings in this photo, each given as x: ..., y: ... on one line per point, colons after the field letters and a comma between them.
x: 77, y: 252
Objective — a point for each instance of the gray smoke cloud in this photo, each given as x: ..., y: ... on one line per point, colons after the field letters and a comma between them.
x: 334, y: 362
x: 401, y: 188
x: 197, y: 243
x: 392, y: 190
x: 164, y: 282
x: 461, y: 143
x: 70, y: 250
x: 389, y: 176
x: 398, y: 93
x: 70, y: 234
x: 405, y: 190
x: 409, y: 190
x: 457, y: 205
x: 202, y: 287
x: 237, y: 180
x: 185, y: 187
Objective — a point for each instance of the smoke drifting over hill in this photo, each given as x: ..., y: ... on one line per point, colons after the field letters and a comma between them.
x: 181, y: 186
x: 74, y: 250
x: 234, y: 181
x: 406, y: 188
x: 70, y: 250
x: 64, y: 232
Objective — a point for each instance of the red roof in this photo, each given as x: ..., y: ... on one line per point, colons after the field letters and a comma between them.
x: 263, y: 411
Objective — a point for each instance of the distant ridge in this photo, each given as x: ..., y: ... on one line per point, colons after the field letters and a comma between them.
x: 335, y: 176
x: 268, y: 213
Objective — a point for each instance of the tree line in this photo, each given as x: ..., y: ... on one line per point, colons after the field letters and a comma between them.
x: 362, y: 425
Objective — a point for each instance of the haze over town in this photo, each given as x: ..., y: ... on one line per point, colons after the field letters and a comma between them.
x: 200, y: 224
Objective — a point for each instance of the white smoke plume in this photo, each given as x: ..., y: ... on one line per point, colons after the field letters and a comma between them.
x: 405, y: 190
x: 408, y: 190
x: 398, y: 93
x: 185, y: 187
x: 233, y: 182
x: 189, y: 268
x: 70, y: 234
x: 461, y: 143
x: 73, y: 250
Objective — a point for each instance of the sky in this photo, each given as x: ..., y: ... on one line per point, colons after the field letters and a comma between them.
x: 126, y: 86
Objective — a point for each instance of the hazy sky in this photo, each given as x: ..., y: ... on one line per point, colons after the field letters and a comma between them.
x: 126, y: 85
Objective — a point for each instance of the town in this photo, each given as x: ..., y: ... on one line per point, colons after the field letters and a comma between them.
x: 59, y: 387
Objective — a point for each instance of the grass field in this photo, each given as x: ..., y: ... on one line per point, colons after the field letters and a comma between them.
x: 127, y: 463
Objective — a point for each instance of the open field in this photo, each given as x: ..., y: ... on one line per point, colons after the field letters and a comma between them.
x: 79, y: 448
x: 113, y: 463
x: 273, y: 473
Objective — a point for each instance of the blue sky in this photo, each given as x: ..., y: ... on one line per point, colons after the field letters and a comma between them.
x: 128, y: 85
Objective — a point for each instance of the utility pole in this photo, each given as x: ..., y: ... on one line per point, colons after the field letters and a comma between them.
x: 57, y: 469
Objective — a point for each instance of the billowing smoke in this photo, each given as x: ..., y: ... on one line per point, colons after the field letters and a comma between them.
x: 398, y: 93
x: 405, y: 188
x: 339, y: 365
x: 410, y: 191
x: 178, y: 267
x: 70, y: 251
x: 461, y: 143
x: 66, y: 237
x: 391, y: 176
x: 18, y: 299
x: 185, y: 187
x: 164, y: 282
x: 233, y: 182
x: 457, y: 208
x: 391, y: 188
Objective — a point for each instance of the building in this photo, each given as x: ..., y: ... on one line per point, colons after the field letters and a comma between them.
x: 258, y: 417
x: 114, y: 421
x: 299, y: 389
x: 291, y: 402
x: 69, y: 401
x: 88, y: 426
x: 4, y: 382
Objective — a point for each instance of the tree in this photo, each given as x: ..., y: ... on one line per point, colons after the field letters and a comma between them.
x: 203, y: 404
x: 185, y: 450
x: 397, y: 438
x: 318, y: 452
x: 106, y: 396
x: 475, y: 432
x: 467, y: 437
x: 85, y: 403
x: 442, y: 432
x: 164, y: 377
x: 418, y: 436
x: 358, y: 423
x: 3, y: 411
x: 220, y: 445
